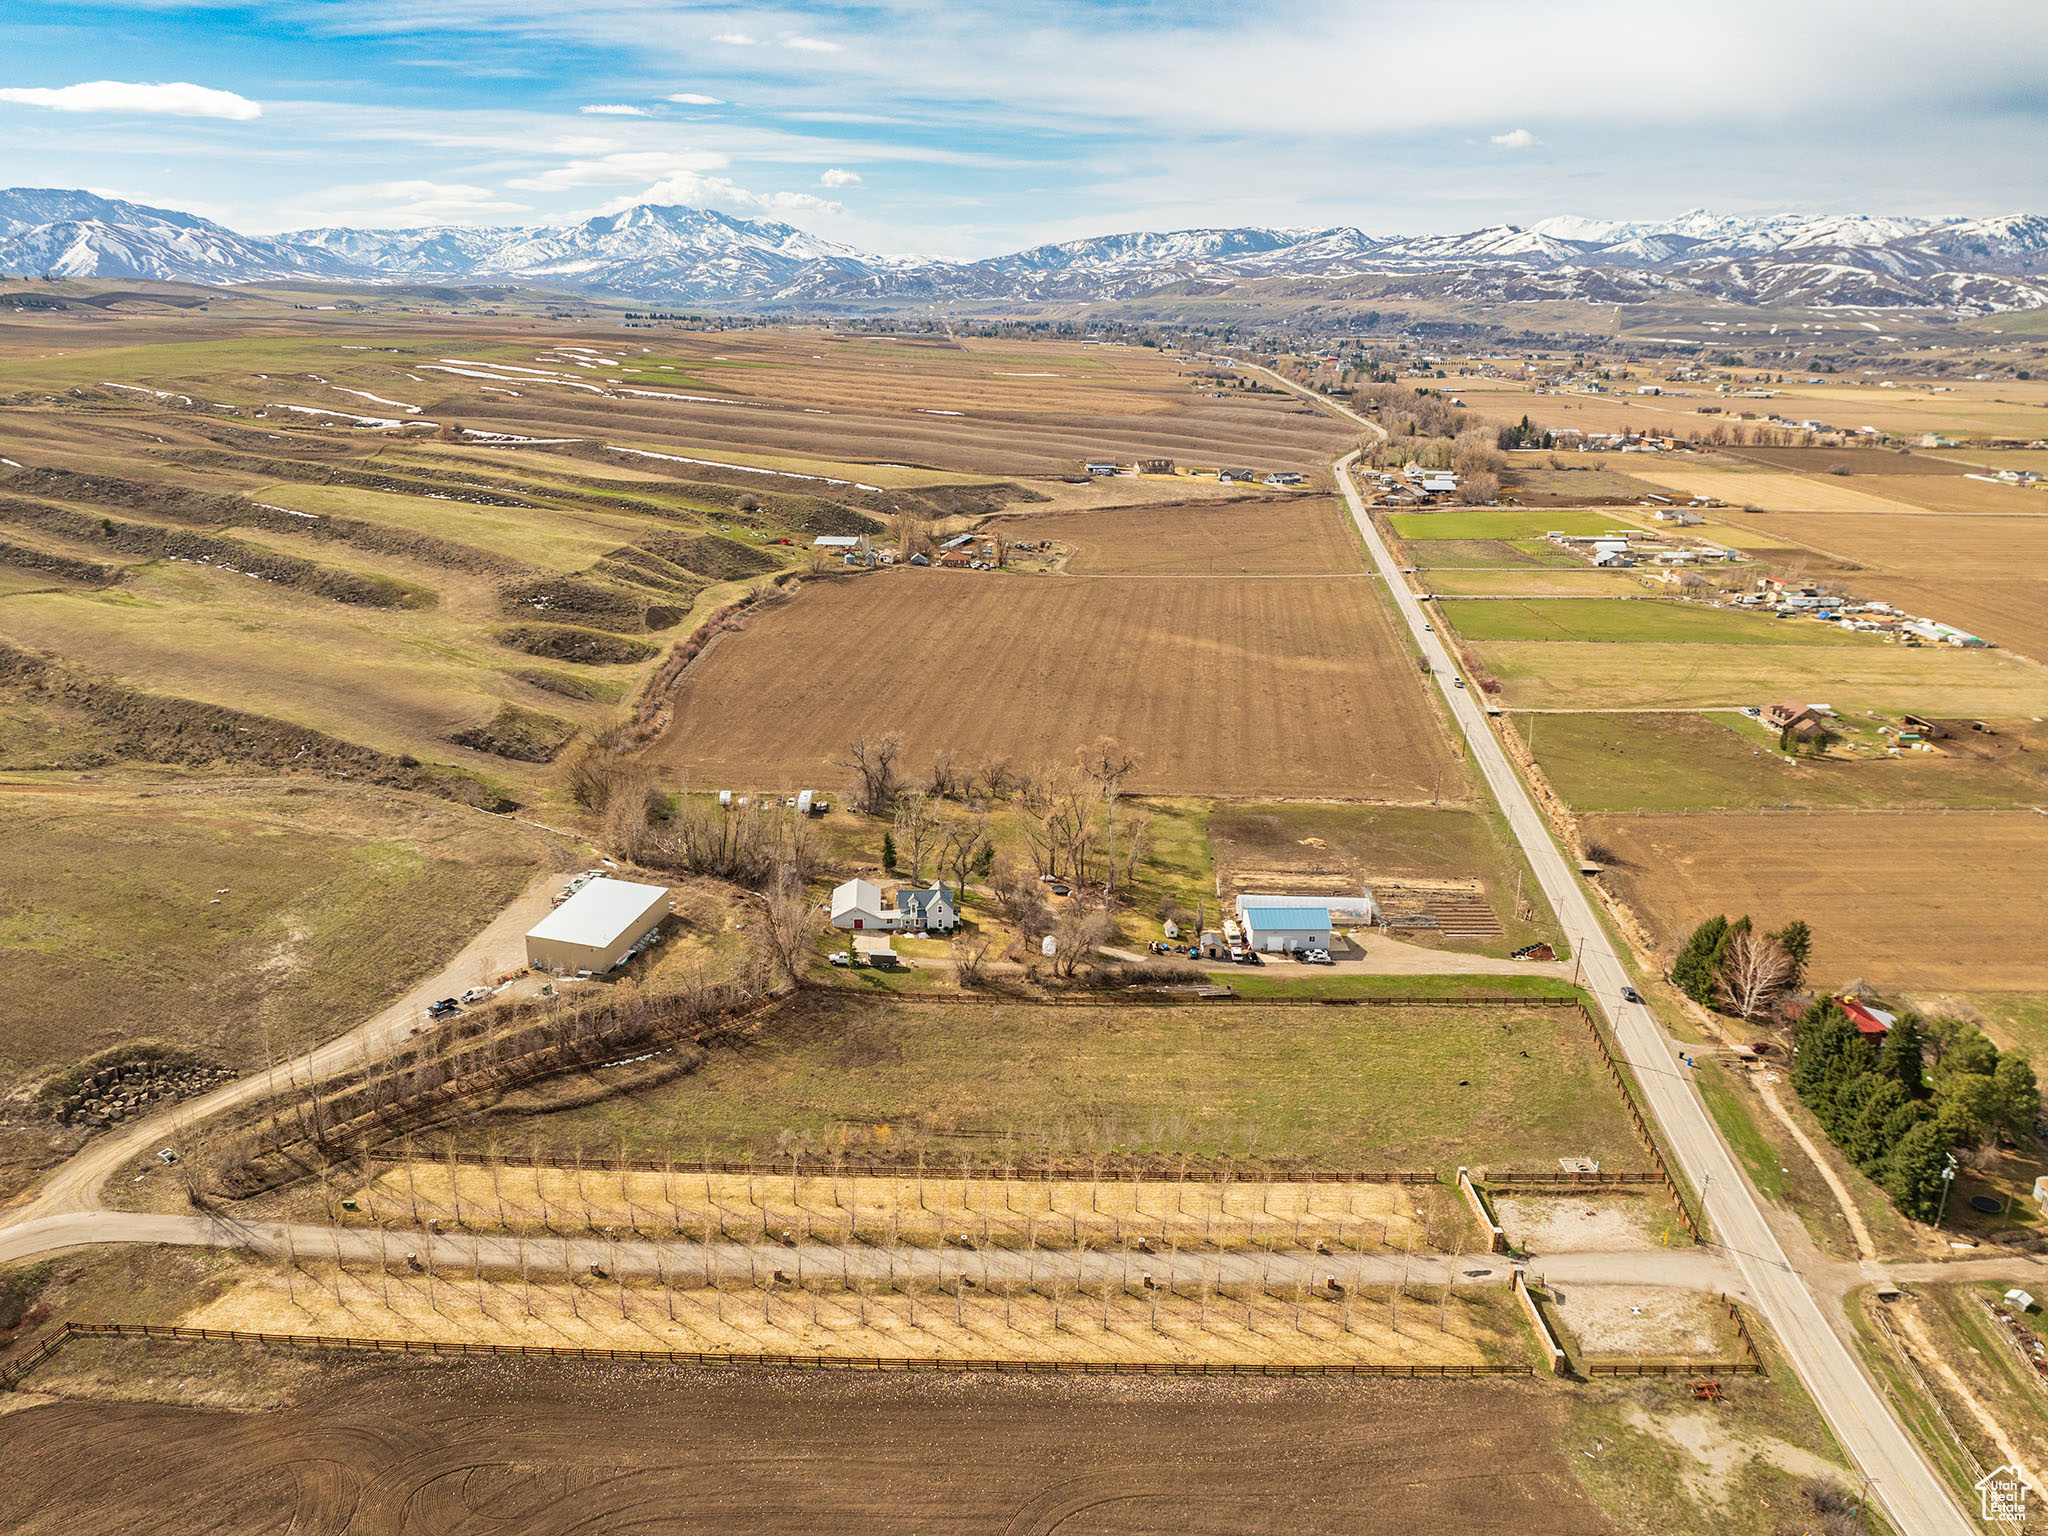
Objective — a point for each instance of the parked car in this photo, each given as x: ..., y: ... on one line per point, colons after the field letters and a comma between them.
x: 447, y: 1008
x: 477, y: 995
x: 1631, y: 995
x: 1318, y: 957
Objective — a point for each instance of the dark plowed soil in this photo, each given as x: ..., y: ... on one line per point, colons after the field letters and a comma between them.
x: 557, y: 642
x: 545, y: 1449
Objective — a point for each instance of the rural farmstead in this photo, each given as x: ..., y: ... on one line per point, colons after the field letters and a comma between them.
x: 596, y: 929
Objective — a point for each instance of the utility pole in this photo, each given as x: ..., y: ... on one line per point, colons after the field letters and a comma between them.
x: 1948, y: 1178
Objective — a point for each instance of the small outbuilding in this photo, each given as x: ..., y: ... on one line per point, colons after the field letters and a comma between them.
x: 598, y: 928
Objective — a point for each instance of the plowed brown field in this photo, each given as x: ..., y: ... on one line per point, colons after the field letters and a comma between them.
x: 487, y: 1449
x: 1303, y: 535
x: 1923, y: 899
x: 1225, y: 687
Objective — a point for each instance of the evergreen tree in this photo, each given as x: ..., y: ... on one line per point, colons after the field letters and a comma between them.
x: 2015, y: 1096
x: 985, y: 859
x: 889, y: 853
x: 1867, y: 1140
x: 1899, y: 1058
x: 1841, y: 1110
x: 1693, y: 971
x: 1796, y: 939
x: 1967, y: 1105
x: 1820, y: 1040
x: 1913, y: 1177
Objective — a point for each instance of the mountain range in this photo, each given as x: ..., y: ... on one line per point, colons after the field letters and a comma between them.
x: 684, y: 255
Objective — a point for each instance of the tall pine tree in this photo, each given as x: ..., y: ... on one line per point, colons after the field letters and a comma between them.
x: 1693, y: 971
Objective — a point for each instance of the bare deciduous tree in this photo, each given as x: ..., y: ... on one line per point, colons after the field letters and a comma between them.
x: 1754, y: 973
x: 873, y: 761
x: 783, y: 924
x: 916, y: 828
x: 946, y: 781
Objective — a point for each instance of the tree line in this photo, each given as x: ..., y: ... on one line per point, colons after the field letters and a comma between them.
x: 1908, y: 1107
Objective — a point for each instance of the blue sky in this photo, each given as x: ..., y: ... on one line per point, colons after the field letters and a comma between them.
x: 965, y: 129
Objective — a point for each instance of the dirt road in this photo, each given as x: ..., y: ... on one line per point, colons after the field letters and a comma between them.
x: 1695, y: 1269
x: 499, y: 948
x: 1912, y: 1493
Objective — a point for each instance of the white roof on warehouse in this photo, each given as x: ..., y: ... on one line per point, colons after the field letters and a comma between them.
x: 602, y: 911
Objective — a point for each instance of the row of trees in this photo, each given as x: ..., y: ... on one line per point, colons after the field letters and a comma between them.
x: 1735, y: 968
x: 1905, y: 1109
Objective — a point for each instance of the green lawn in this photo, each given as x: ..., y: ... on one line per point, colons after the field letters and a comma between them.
x: 1631, y: 620
x: 1510, y: 523
x: 1361, y: 1088
x: 1719, y: 761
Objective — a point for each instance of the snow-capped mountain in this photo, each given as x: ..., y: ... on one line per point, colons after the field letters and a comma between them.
x: 76, y: 234
x: 669, y: 254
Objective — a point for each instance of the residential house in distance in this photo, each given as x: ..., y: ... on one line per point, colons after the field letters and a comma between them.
x: 1791, y: 715
x: 1278, y: 930
x: 861, y: 905
x: 1872, y: 1022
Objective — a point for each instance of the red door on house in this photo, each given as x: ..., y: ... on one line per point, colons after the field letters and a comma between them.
x: 858, y: 922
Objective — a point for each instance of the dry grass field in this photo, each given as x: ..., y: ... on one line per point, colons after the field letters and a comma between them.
x: 2006, y: 408
x: 1910, y: 900
x: 234, y: 921
x: 1292, y: 536
x: 1944, y: 680
x: 551, y: 1449
x: 1225, y: 687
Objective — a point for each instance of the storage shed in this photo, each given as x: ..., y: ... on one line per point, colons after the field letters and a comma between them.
x: 594, y: 929
x: 1280, y: 929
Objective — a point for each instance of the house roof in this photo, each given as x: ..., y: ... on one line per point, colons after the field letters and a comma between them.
x: 1287, y: 917
x: 1868, y: 1021
x: 835, y: 541
x: 603, y: 911
x: 917, y: 897
x: 857, y: 896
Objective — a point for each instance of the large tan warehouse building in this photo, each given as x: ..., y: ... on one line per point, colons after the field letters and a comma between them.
x: 593, y: 929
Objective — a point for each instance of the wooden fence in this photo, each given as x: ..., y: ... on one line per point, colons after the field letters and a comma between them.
x: 1751, y: 1362
x: 1642, y: 1126
x: 72, y: 1330
x: 1120, y: 1171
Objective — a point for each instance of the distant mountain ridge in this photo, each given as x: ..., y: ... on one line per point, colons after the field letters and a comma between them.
x: 673, y: 254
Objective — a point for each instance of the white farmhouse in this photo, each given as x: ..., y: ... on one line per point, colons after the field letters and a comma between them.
x: 860, y: 905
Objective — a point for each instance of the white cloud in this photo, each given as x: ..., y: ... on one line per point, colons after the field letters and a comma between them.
x: 726, y: 196
x: 1516, y: 138
x: 737, y: 40
x: 446, y: 199
x: 623, y: 169
x: 179, y: 98
x: 838, y: 178
x: 804, y: 44
x: 695, y: 99
x: 614, y: 110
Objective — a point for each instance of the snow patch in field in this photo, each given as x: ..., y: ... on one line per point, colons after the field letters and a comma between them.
x: 1027, y: 375
x: 657, y: 394
x: 139, y: 390
x: 745, y: 469
x: 373, y: 422
x: 941, y: 413
x: 311, y: 517
x: 364, y: 394
x: 513, y: 437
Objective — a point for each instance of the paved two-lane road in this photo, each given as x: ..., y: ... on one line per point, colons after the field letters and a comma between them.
x: 1898, y: 1473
